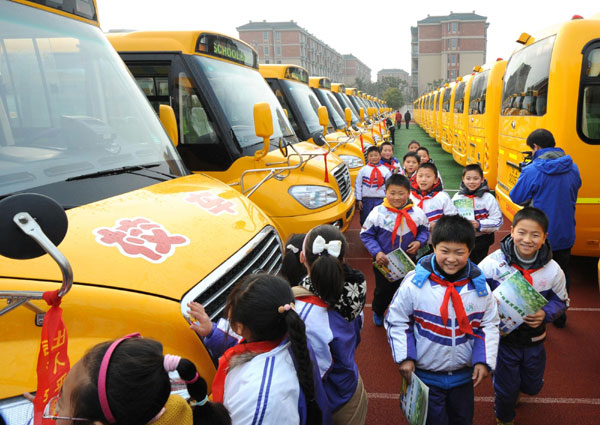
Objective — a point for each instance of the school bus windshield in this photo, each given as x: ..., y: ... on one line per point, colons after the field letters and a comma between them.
x: 307, y: 103
x: 335, y: 111
x: 69, y: 109
x: 345, y: 103
x: 237, y: 89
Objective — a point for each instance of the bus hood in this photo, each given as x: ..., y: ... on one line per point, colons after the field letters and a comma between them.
x: 162, y: 239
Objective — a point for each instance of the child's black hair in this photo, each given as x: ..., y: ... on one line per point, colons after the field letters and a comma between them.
x: 291, y: 268
x: 326, y: 271
x: 541, y: 137
x: 385, y: 144
x: 453, y: 228
x: 254, y: 302
x: 533, y: 214
x: 412, y: 142
x: 137, y: 385
x: 472, y: 167
x: 397, y: 180
x: 411, y: 155
x: 430, y: 166
x: 370, y: 149
x: 423, y: 148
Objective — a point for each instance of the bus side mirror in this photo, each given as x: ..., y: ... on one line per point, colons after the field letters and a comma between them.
x: 167, y: 118
x: 323, y: 118
x: 348, y: 116
x: 362, y: 114
x: 287, y: 114
x: 263, y: 126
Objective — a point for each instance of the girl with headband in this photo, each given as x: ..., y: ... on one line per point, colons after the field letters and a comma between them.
x: 330, y: 301
x: 127, y: 382
x: 291, y: 268
x: 267, y: 376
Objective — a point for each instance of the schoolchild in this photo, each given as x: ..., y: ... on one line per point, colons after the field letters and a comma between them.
x: 488, y: 217
x: 370, y: 183
x: 396, y: 223
x: 424, y: 156
x: 428, y: 194
x: 387, y: 157
x: 330, y: 301
x: 410, y: 163
x: 521, y: 355
x: 451, y: 347
x: 126, y: 381
x: 268, y: 371
x: 413, y: 146
x: 292, y: 268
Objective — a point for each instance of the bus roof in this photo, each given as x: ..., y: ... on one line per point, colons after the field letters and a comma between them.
x: 320, y: 83
x: 338, y: 87
x: 85, y: 11
x: 284, y: 72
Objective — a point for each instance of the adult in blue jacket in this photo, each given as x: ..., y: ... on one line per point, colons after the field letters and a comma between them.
x: 551, y: 182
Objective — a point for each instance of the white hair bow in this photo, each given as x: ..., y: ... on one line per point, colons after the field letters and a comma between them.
x: 333, y: 247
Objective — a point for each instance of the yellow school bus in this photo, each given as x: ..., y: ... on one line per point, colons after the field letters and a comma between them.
x: 447, y: 114
x: 213, y: 82
x: 461, y: 106
x: 358, y: 131
x: 290, y: 85
x: 430, y: 115
x: 144, y: 236
x: 367, y: 123
x: 483, y: 114
x: 437, y: 115
x: 551, y: 81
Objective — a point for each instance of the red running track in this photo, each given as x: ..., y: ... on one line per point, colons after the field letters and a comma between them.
x: 571, y: 394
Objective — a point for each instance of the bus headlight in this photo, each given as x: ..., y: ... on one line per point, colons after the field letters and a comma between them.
x: 313, y: 197
x: 352, y: 161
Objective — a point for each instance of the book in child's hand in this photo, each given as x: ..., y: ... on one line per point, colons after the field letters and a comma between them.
x: 399, y: 264
x: 516, y: 299
x: 414, y: 400
x: 466, y: 208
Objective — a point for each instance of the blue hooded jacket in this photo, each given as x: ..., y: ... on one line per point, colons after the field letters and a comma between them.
x: 551, y: 183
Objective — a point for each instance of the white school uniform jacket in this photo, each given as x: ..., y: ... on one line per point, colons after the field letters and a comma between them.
x: 416, y: 331
x: 487, y: 212
x: 436, y: 207
x: 365, y: 188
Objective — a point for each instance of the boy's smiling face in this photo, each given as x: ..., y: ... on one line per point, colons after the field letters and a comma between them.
x: 373, y: 157
x: 528, y: 237
x: 413, y: 147
x: 410, y: 164
x: 387, y: 152
x: 397, y: 195
x: 451, y: 256
x: 423, y: 156
x: 472, y: 180
x: 426, y: 179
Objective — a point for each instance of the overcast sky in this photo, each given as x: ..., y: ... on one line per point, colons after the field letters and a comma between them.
x: 378, y: 33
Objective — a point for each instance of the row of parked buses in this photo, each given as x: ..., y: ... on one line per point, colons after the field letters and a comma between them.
x: 551, y: 81
x: 157, y: 215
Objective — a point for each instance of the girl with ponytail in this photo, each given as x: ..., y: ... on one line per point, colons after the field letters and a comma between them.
x: 126, y: 382
x: 268, y: 376
x: 330, y: 301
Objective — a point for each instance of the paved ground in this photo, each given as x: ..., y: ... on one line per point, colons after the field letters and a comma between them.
x: 571, y: 394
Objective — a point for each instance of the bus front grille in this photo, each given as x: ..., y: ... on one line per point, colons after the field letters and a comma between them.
x: 342, y: 176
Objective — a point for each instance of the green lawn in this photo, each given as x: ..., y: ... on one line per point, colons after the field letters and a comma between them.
x: 451, y: 172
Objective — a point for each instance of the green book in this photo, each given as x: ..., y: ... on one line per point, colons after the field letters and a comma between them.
x: 466, y: 208
x: 399, y: 265
x: 414, y: 400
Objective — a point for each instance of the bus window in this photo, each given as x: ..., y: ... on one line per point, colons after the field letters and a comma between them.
x: 446, y: 99
x: 478, y: 92
x: 588, y: 125
x: 459, y: 98
x: 527, y: 76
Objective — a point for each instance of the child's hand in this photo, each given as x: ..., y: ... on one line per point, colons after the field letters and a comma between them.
x: 202, y: 324
x: 536, y: 319
x: 480, y: 372
x: 413, y: 247
x: 360, y: 206
x: 406, y: 368
x: 475, y: 224
x: 381, y: 259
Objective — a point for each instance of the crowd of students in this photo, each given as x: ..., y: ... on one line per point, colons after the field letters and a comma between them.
x: 286, y: 344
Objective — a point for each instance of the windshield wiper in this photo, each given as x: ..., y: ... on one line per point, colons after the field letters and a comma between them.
x: 123, y: 170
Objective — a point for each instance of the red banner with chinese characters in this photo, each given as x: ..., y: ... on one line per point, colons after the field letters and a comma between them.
x: 53, y: 360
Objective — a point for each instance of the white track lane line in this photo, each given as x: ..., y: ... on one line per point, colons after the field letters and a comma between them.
x: 532, y: 400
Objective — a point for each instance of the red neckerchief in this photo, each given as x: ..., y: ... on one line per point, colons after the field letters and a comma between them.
x: 526, y: 273
x: 376, y: 176
x: 461, y: 316
x: 313, y: 299
x: 218, y: 386
x: 403, y: 212
x: 389, y: 165
x: 423, y: 196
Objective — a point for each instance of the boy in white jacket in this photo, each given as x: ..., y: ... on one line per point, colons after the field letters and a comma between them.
x: 450, y: 349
